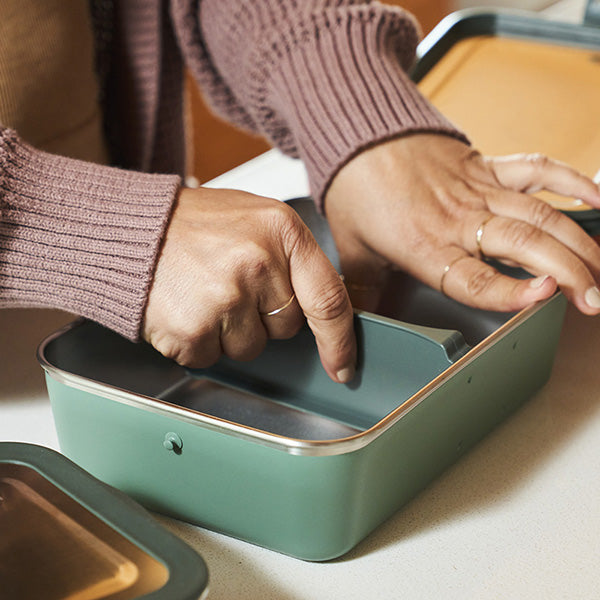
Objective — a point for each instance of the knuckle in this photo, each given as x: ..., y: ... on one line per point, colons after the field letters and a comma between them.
x: 538, y: 161
x: 280, y: 215
x: 221, y: 303
x: 452, y: 201
x: 194, y: 351
x: 164, y: 346
x: 289, y: 226
x: 518, y: 234
x: 544, y: 216
x: 480, y: 282
x: 332, y: 302
x: 252, y: 259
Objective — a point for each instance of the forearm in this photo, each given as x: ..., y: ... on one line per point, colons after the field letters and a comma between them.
x: 78, y: 236
x: 321, y: 82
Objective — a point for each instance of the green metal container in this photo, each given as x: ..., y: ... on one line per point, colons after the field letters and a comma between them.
x: 272, y: 451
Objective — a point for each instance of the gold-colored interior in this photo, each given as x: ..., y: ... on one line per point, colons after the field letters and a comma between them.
x: 51, y: 547
x: 510, y: 96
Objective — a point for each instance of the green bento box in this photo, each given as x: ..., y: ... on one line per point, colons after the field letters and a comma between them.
x: 275, y: 453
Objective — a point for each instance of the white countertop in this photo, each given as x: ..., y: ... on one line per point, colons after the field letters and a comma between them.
x: 517, y: 517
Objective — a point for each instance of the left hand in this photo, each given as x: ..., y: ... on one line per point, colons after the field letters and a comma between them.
x: 432, y: 206
x: 237, y: 269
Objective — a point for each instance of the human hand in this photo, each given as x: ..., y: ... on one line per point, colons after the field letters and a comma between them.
x: 228, y: 259
x: 431, y: 206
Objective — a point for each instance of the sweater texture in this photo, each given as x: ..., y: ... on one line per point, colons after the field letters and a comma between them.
x: 321, y: 79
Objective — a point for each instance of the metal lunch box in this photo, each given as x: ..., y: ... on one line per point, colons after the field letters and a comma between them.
x: 271, y: 451
x: 67, y: 535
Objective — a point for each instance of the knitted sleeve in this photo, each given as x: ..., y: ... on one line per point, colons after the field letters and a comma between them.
x: 321, y: 79
x: 78, y: 236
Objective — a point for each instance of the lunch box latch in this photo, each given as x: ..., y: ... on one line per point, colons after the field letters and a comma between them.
x: 173, y: 443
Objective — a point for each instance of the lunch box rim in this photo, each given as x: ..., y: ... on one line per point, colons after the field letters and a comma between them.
x: 287, y: 444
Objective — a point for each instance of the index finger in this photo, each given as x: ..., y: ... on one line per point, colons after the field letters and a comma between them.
x: 326, y: 305
x: 531, y: 173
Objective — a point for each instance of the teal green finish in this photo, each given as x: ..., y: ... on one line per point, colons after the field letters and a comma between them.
x: 311, y: 507
x: 244, y: 489
x: 450, y: 421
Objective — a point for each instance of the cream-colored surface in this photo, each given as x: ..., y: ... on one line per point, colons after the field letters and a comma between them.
x: 513, y: 95
x: 48, y: 89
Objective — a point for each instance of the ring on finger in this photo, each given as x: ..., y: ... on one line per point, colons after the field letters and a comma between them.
x: 447, y: 269
x: 479, y: 235
x: 276, y: 311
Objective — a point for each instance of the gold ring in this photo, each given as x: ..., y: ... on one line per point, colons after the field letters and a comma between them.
x: 445, y: 272
x: 276, y: 311
x: 479, y: 235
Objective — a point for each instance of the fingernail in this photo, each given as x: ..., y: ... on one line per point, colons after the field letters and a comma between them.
x: 592, y: 297
x: 538, y: 282
x: 345, y: 375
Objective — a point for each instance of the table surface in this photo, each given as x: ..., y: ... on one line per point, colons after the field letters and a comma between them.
x: 517, y: 517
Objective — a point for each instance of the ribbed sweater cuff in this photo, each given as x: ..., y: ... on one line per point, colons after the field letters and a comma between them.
x: 343, y: 88
x: 78, y: 236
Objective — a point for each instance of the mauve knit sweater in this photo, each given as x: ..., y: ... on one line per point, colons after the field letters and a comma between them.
x: 321, y: 79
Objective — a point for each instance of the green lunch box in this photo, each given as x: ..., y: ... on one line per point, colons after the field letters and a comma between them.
x: 271, y: 451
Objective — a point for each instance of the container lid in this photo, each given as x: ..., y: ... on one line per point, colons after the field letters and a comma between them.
x: 82, y: 539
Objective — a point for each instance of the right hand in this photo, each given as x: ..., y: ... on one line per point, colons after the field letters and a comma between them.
x: 227, y: 259
x: 419, y: 203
